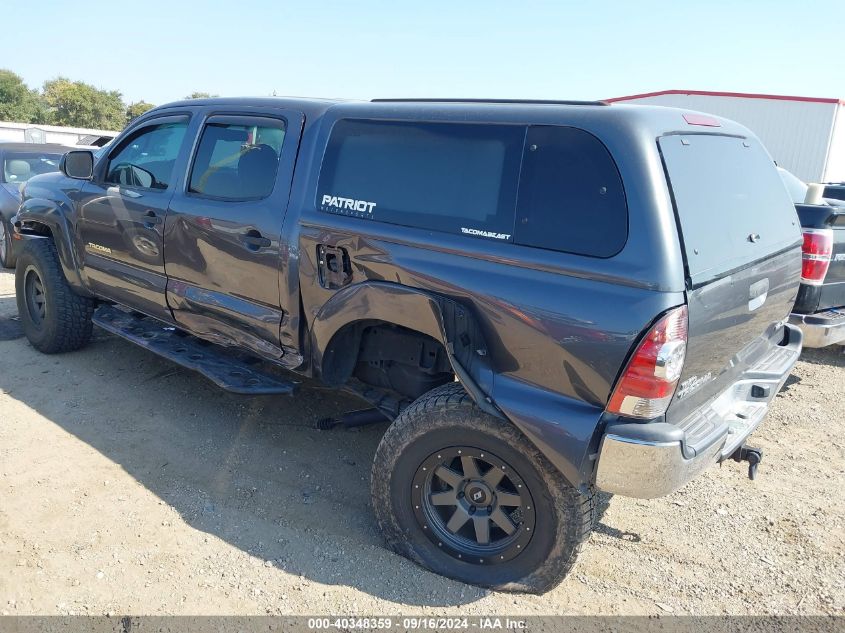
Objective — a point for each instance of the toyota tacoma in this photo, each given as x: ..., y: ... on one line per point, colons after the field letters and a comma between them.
x: 546, y: 299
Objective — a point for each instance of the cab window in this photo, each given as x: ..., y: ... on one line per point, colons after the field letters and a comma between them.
x: 237, y: 158
x: 147, y: 158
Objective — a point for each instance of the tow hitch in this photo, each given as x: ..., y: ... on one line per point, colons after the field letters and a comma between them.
x: 751, y: 455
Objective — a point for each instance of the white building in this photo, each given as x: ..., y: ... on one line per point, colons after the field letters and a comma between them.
x: 804, y: 135
x: 37, y: 133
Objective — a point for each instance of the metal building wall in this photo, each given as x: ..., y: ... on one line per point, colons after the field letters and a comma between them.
x: 835, y: 171
x: 17, y: 133
x: 796, y: 133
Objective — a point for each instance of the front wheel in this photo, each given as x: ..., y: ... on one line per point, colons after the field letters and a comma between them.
x: 466, y: 495
x: 53, y: 317
x: 7, y: 258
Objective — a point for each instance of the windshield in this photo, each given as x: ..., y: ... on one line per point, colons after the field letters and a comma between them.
x: 794, y: 185
x: 18, y: 167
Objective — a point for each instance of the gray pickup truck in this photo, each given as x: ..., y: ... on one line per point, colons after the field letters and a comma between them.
x: 543, y: 298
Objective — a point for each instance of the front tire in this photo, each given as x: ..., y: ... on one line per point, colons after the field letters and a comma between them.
x: 54, y: 318
x: 7, y: 258
x: 467, y: 496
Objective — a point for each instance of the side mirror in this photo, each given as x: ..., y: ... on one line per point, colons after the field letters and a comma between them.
x: 78, y: 163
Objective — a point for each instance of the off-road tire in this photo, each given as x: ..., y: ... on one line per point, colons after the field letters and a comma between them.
x: 447, y: 417
x: 66, y: 322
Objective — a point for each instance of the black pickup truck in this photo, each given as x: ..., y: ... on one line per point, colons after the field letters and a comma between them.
x: 820, y: 308
x: 544, y: 298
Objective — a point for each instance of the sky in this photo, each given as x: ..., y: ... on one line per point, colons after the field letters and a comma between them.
x: 160, y: 51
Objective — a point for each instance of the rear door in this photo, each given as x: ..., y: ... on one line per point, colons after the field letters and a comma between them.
x: 742, y: 244
x: 121, y: 214
x: 223, y: 232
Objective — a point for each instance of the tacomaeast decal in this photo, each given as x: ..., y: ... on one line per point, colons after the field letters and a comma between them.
x: 494, y: 235
x: 348, y: 204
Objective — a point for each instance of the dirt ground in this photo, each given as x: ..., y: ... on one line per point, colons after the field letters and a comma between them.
x: 128, y: 485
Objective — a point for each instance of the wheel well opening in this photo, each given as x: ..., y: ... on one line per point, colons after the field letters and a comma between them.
x: 36, y: 228
x: 388, y: 357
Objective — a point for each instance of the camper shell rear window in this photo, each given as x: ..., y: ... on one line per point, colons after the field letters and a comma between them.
x: 731, y: 204
x: 550, y: 187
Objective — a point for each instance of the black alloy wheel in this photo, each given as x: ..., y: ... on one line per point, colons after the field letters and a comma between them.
x: 473, y: 505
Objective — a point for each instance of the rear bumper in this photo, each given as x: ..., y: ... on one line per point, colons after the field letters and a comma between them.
x: 652, y: 459
x: 822, y: 328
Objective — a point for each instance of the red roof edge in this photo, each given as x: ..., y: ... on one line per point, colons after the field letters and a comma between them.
x: 744, y: 95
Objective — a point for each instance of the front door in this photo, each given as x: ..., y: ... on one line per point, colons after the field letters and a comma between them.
x: 121, y: 216
x: 222, y: 244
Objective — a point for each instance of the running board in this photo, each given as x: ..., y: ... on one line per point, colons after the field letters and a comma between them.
x: 216, y: 363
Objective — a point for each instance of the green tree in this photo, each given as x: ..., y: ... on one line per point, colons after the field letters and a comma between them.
x: 201, y: 95
x: 17, y: 102
x: 134, y: 110
x: 78, y: 104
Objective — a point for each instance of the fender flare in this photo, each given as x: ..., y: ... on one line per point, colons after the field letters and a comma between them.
x: 40, y: 212
x: 440, y: 318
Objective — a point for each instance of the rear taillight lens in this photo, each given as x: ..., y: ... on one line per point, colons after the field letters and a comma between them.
x: 816, y: 254
x: 648, y: 382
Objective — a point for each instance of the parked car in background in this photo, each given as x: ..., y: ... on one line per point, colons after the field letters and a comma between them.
x: 544, y: 299
x: 18, y: 163
x: 820, y: 307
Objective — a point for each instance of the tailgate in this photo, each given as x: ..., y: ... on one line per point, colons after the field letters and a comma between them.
x: 742, y: 248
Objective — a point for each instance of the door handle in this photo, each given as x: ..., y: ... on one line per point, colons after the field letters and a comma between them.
x: 254, y: 240
x: 151, y: 219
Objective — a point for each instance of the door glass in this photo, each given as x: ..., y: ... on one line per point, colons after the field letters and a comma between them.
x: 237, y: 162
x: 146, y: 159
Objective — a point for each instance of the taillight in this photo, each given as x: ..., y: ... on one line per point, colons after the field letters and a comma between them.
x: 648, y: 382
x: 816, y: 254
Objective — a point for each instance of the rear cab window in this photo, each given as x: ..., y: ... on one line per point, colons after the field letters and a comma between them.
x: 730, y: 202
x: 549, y: 187
x: 836, y: 192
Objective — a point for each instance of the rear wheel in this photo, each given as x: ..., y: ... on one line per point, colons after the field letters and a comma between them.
x: 466, y: 495
x: 53, y: 317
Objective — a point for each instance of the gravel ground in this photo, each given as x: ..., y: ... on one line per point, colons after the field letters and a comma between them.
x: 130, y: 486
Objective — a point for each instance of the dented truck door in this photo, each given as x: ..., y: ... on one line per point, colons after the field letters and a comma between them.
x: 223, y: 239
